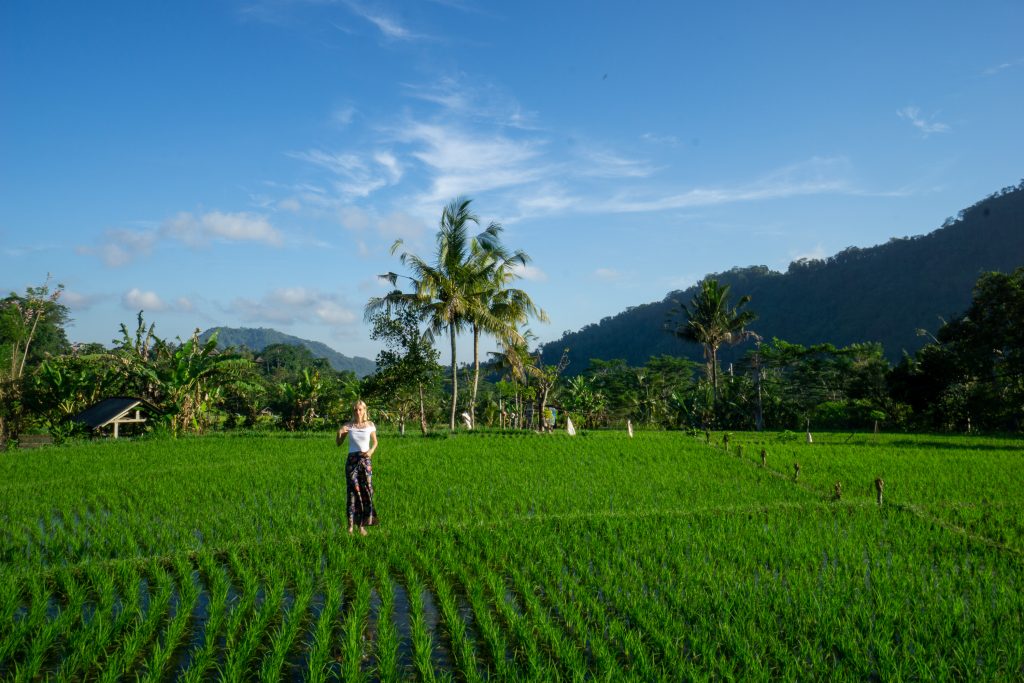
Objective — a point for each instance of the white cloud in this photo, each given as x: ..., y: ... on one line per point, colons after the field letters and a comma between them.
x: 816, y: 254
x: 77, y: 301
x: 926, y: 126
x: 393, y: 226
x: 607, y: 274
x: 239, y: 227
x: 289, y: 305
x: 529, y: 272
x: 290, y: 204
x: 136, y: 299
x: 216, y: 225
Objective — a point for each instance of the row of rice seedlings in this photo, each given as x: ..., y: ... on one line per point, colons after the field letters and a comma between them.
x: 106, y: 632
x: 611, y: 628
x: 241, y: 657
x: 575, y: 601
x: 122, y: 659
x: 285, y: 634
x: 386, y: 650
x: 461, y: 642
x: 556, y: 641
x: 41, y: 641
x: 353, y: 630
x: 162, y: 652
x: 38, y: 597
x: 320, y: 663
x: 499, y: 652
x: 202, y: 657
x: 420, y: 637
x: 244, y: 605
x: 517, y: 624
x: 85, y: 643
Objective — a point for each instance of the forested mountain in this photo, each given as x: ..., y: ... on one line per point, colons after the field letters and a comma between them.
x: 880, y: 294
x: 257, y: 339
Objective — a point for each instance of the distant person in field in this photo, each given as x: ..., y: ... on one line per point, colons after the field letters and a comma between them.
x: 362, y: 442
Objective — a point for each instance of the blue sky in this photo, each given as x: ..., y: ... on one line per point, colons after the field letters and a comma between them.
x: 251, y: 163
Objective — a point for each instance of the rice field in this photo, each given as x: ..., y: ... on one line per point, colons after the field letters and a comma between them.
x: 511, y: 556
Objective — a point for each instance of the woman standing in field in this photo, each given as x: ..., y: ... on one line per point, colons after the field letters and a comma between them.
x: 362, y: 442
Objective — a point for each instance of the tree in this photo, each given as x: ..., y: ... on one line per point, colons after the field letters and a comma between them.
x: 498, y: 310
x: 709, y: 321
x: 31, y: 328
x: 444, y: 290
x: 406, y: 366
x: 972, y: 376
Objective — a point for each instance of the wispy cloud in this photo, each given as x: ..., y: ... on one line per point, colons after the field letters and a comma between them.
x: 290, y: 305
x: 669, y: 140
x: 358, y: 176
x: 998, y: 68
x: 607, y: 274
x: 464, y: 163
x: 461, y: 96
x: 601, y: 163
x: 927, y: 126
x: 390, y: 27
x: 816, y: 176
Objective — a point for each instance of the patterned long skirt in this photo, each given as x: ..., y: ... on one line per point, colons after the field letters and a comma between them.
x: 359, y: 487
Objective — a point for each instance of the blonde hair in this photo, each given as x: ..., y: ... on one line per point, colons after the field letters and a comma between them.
x: 355, y: 410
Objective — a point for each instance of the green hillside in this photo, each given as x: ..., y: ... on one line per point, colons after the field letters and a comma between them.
x: 258, y: 338
x: 880, y: 294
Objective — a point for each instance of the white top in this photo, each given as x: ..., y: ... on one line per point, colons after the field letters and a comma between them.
x: 359, y: 437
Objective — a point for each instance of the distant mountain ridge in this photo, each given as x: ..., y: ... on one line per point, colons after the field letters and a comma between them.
x: 880, y: 294
x: 259, y: 338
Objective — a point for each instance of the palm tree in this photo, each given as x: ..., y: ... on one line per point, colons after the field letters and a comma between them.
x: 443, y: 291
x: 498, y: 310
x: 709, y: 321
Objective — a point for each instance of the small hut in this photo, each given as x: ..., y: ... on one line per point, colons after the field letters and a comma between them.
x: 116, y: 411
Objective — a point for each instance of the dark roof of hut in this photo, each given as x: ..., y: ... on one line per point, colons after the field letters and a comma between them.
x: 110, y: 409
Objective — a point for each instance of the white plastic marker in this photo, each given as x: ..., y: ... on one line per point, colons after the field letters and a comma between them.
x: 629, y: 428
x: 569, y: 428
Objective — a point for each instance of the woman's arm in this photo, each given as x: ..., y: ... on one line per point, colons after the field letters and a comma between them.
x: 342, y: 433
x: 373, y: 443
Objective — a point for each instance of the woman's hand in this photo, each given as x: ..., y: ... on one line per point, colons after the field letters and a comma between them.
x: 342, y: 433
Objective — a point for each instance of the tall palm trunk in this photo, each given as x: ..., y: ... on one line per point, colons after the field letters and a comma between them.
x: 476, y: 375
x: 714, y: 371
x: 423, y: 412
x: 455, y: 380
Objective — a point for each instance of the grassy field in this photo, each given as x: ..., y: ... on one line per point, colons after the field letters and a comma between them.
x: 516, y: 557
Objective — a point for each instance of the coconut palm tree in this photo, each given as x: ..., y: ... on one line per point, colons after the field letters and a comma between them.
x: 498, y: 310
x: 710, y: 321
x: 444, y: 291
